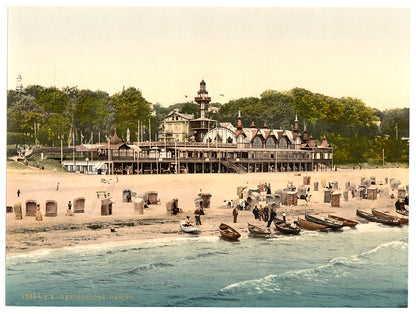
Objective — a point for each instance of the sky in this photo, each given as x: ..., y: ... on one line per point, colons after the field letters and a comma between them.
x: 239, y: 51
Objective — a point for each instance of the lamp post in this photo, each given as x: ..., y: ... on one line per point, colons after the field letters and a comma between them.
x: 87, y: 165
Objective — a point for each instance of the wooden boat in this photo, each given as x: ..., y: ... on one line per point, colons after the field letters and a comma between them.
x: 328, y: 222
x: 308, y: 225
x: 188, y: 229
x: 346, y: 222
x: 403, y: 212
x: 287, y: 228
x: 257, y: 231
x: 388, y: 216
x: 228, y: 233
x: 374, y: 218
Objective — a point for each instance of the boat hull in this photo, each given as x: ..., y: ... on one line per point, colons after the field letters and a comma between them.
x: 188, y: 229
x: 287, y: 229
x: 388, y: 216
x: 257, y: 231
x: 374, y: 218
x: 229, y: 233
x: 330, y: 223
x: 308, y: 225
x: 346, y: 222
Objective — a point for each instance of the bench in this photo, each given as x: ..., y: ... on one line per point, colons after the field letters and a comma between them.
x: 103, y: 193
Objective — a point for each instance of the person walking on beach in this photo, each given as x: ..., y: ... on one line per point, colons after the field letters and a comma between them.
x: 198, y: 216
x: 57, y: 186
x: 261, y: 213
x: 18, y: 192
x: 69, y: 210
x: 38, y: 213
x: 256, y: 212
x: 266, y: 213
x: 271, y: 218
x: 235, y: 214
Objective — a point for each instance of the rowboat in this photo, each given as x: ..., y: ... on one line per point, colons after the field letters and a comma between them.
x: 287, y: 228
x: 308, y: 225
x: 228, y: 233
x: 257, y: 231
x: 388, y: 216
x: 345, y: 222
x: 374, y: 218
x: 188, y: 229
x: 328, y: 222
x: 403, y: 212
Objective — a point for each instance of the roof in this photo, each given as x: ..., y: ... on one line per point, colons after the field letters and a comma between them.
x: 180, y: 114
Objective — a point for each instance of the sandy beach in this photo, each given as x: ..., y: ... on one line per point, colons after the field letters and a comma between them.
x: 67, y: 231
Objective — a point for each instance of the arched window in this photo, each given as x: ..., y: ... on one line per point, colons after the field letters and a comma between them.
x: 270, y: 143
x: 282, y: 143
x: 229, y: 140
x: 257, y: 142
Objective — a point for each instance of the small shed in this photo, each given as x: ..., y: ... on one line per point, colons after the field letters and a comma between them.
x: 206, y: 199
x: 240, y: 191
x: 125, y: 195
x: 335, y: 199
x: 51, y: 208
x: 348, y: 185
x: 306, y: 180
x: 371, y: 193
x: 138, y: 206
x: 373, y: 180
x: 335, y: 185
x: 31, y: 208
x: 172, y: 207
x: 327, y: 196
x: 362, y: 192
x: 345, y: 195
x: 384, y: 192
x: 401, y: 193
x: 106, y: 207
x: 316, y: 186
x: 79, y: 205
x: 292, y: 198
x: 152, y: 197
x: 366, y: 183
x: 18, y: 210
x: 394, y: 183
x: 302, y: 190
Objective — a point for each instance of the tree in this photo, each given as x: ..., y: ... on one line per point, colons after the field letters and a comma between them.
x: 131, y: 107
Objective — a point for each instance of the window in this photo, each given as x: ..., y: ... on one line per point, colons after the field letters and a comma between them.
x: 270, y: 143
x: 282, y: 143
x: 257, y: 142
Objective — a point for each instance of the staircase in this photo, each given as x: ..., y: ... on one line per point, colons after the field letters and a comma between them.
x: 236, y: 167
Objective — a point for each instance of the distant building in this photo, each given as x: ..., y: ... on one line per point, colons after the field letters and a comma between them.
x: 176, y: 126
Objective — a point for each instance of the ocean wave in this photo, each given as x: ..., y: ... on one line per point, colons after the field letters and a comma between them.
x: 139, y: 269
x: 254, y: 286
x: 399, y: 245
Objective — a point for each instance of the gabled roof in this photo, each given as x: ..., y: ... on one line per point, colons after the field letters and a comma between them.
x: 180, y: 114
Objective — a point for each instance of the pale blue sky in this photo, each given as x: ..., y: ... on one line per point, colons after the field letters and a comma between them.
x: 239, y: 52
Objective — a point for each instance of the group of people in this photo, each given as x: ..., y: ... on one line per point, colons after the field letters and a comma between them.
x: 199, y: 211
x: 264, y: 214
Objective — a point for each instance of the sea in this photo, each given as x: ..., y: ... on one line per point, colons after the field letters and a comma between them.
x: 366, y: 266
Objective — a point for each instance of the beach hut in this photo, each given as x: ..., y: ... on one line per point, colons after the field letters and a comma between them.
x: 362, y: 192
x: 125, y: 195
x: 366, y: 183
x: 302, y: 190
x: 240, y: 190
x: 277, y: 200
x: 372, y: 180
x: 394, y: 183
x: 292, y: 198
x: 335, y: 185
x: 172, y: 207
x: 401, y: 193
x: 79, y: 205
x: 51, y: 208
x: 362, y: 180
x: 31, y: 208
x: 18, y: 210
x: 151, y: 197
x: 335, y: 199
x: 316, y: 186
x: 327, y: 196
x: 384, y: 193
x: 106, y: 207
x: 138, y: 206
x: 348, y: 185
x: 206, y: 199
x: 371, y: 193
x: 306, y: 180
x: 345, y: 195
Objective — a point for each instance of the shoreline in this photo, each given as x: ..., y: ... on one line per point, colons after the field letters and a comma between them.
x: 28, y: 236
